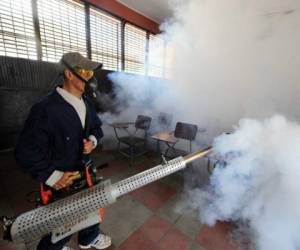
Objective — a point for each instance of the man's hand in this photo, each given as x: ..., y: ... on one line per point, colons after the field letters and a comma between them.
x: 66, y: 180
x: 88, y: 146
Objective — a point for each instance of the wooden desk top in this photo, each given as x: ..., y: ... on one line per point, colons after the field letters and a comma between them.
x: 121, y: 124
x: 201, y: 130
x: 166, y: 136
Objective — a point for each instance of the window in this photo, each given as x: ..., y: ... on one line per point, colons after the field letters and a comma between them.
x: 169, y: 59
x: 156, y: 56
x: 16, y: 29
x: 135, y: 49
x: 105, y: 39
x: 62, y: 28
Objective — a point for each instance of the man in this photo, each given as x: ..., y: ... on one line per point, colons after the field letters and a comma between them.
x: 59, y: 132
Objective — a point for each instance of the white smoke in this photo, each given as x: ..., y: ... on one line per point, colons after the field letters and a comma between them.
x: 138, y: 94
x: 257, y: 180
x: 230, y: 59
x: 235, y: 59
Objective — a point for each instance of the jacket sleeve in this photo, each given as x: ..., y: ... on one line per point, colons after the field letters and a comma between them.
x: 32, y: 152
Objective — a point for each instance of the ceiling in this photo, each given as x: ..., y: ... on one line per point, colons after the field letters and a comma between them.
x: 157, y: 10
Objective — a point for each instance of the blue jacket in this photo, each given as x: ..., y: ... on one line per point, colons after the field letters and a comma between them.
x: 52, y: 138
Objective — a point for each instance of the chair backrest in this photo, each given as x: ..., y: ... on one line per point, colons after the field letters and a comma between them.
x: 186, y: 131
x: 164, y: 119
x: 143, y: 122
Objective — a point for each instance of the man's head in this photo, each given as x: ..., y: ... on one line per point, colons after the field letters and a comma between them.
x: 78, y: 70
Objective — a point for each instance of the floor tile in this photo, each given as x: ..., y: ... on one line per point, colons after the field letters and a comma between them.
x: 155, y: 228
x: 158, y: 187
x: 175, y: 181
x: 168, y: 211
x: 4, y: 245
x: 231, y: 246
x: 188, y: 224
x: 174, y: 240
x: 215, y: 237
x: 148, y: 195
x: 123, y: 218
x: 137, y: 241
x: 113, y: 168
x: 195, y: 246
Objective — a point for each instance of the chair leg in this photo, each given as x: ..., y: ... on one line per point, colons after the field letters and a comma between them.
x: 169, y: 149
x: 158, y: 147
x: 131, y: 156
x: 118, y: 147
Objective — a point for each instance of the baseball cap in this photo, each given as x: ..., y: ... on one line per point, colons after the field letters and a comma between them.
x: 75, y: 59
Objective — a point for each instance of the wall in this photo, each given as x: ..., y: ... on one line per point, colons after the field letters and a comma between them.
x: 126, y: 13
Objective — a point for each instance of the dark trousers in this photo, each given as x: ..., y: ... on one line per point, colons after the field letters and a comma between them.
x: 85, y: 237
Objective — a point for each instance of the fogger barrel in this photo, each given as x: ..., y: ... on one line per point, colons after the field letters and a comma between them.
x: 36, y: 223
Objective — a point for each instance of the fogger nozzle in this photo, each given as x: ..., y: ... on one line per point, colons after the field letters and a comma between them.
x: 36, y: 223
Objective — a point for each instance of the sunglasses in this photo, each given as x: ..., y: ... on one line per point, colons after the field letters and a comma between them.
x: 84, y: 73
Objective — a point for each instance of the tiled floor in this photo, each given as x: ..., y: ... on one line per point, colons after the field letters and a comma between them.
x: 144, y: 219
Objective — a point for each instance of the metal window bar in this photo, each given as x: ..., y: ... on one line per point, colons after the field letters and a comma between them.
x: 37, y: 29
x: 135, y: 49
x: 17, y: 29
x: 105, y: 39
x: 88, y: 29
x: 168, y: 60
x: 156, y: 56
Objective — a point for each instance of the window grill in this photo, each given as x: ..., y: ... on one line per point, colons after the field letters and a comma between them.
x: 105, y: 39
x: 135, y: 49
x: 62, y: 28
x: 156, y: 56
x: 16, y: 29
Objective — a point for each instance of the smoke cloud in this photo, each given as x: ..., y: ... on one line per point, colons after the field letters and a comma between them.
x: 229, y: 60
x: 138, y: 94
x: 235, y: 59
x: 256, y: 180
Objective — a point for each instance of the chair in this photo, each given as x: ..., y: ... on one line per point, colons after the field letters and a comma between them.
x: 183, y: 131
x: 161, y: 123
x: 164, y: 120
x: 135, y: 144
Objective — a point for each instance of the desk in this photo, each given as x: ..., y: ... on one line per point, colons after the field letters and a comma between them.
x: 170, y: 139
x: 166, y: 136
x: 121, y: 124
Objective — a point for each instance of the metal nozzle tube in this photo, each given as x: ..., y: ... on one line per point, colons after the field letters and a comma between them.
x: 198, y: 154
